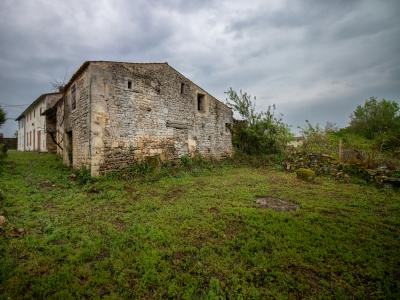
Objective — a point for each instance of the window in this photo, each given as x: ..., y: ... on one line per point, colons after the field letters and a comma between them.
x: 129, y: 84
x: 73, y: 97
x: 40, y: 110
x: 34, y: 112
x: 182, y: 87
x: 201, y: 99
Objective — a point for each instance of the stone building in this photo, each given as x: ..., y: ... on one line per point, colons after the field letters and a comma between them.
x: 114, y: 113
x: 32, y: 130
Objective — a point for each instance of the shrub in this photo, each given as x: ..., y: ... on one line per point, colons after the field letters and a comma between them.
x: 3, y: 116
x: 319, y: 140
x: 305, y: 174
x: 186, y: 161
x: 257, y: 133
x: 152, y: 168
x: 83, y: 175
x: 3, y: 152
x: 3, y: 155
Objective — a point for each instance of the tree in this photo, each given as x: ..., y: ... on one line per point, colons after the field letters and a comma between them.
x: 2, y: 116
x: 257, y: 132
x: 376, y: 118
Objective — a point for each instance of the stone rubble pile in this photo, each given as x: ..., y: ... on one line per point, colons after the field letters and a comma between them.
x: 323, y: 164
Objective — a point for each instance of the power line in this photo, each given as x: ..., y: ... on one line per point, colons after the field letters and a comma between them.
x: 4, y: 103
x: 13, y: 105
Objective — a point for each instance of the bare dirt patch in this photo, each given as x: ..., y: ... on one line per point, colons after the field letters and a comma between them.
x: 234, y: 227
x: 119, y: 224
x: 49, y: 205
x: 332, y: 213
x: 173, y: 194
x: 47, y: 185
x: 132, y: 193
x: 275, y: 203
x: 102, y: 254
x: 213, y: 210
x: 17, y: 232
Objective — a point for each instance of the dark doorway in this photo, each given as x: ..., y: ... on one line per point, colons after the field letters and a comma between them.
x: 39, y: 140
x: 69, y: 147
x: 34, y: 144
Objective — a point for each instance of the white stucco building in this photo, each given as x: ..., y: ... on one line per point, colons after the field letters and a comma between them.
x: 32, y: 134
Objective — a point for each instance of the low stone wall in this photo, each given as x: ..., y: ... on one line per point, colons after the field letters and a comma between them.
x: 323, y: 164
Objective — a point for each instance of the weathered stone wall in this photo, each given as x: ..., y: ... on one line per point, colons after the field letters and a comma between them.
x: 60, y: 126
x: 50, y: 127
x: 76, y: 122
x: 51, y: 99
x: 150, y: 116
x: 50, y: 124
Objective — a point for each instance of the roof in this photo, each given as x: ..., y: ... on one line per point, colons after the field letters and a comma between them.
x: 83, y: 67
x: 38, y: 99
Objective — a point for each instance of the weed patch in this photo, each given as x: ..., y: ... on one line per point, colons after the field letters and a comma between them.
x: 193, y: 232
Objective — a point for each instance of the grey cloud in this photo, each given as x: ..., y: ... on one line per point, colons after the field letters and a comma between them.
x: 314, y: 59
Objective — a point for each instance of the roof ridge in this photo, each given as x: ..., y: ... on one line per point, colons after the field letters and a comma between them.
x: 35, y: 101
x: 128, y: 62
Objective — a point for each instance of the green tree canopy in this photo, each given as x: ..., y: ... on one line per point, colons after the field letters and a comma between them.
x: 258, y: 132
x: 2, y: 116
x: 375, y: 118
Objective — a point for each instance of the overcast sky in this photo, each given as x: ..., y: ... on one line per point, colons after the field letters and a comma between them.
x: 315, y: 60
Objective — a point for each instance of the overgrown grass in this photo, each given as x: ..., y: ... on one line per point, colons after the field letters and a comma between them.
x: 194, y: 234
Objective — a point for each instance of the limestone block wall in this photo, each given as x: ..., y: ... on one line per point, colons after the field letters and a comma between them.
x: 141, y: 110
x: 60, y: 126
x: 76, y: 128
x: 208, y: 133
x: 50, y: 101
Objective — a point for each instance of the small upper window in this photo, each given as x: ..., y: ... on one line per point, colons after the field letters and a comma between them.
x: 201, y: 99
x: 182, y: 87
x: 129, y: 84
x: 73, y: 97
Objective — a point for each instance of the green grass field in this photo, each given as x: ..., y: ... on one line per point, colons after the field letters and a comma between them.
x: 196, y: 235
